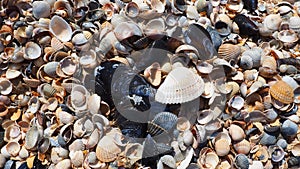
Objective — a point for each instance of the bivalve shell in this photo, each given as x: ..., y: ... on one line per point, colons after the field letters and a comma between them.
x: 229, y: 51
x: 282, y: 92
x: 60, y: 28
x: 181, y: 85
x: 32, y: 51
x: 107, y: 150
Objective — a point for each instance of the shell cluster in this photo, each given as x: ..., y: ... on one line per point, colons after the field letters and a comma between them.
x: 98, y: 84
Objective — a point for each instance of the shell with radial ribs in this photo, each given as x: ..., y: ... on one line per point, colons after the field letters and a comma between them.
x: 282, y: 92
x: 229, y: 51
x: 181, y: 85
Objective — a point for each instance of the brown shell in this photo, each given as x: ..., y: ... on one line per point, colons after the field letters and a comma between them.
x: 107, y: 150
x: 282, y: 92
x: 229, y: 51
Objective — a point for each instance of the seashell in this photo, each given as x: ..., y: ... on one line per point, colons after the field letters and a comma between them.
x: 205, y: 116
x: 79, y: 96
x: 294, y: 22
x: 50, y: 68
x: 180, y: 5
x: 175, y: 88
x: 79, y: 39
x: 282, y: 92
x: 44, y: 145
x: 32, y: 137
x: 65, y: 135
x: 229, y: 51
x: 64, y: 164
x: 293, y: 161
x: 34, y: 83
x: 268, y: 139
x: 13, y: 148
x: 125, y: 30
x: 282, y: 143
x: 223, y: 28
x: 246, y: 62
x: 289, y: 128
x: 296, y: 149
x: 12, y: 74
x: 5, y: 86
x: 236, y: 132
x: 155, y: 27
x: 107, y: 150
x: 288, y: 69
x: 288, y: 36
x: 183, y: 124
x: 153, y: 74
x: 132, y: 9
x: 242, y: 147
x: 56, y: 44
x: 236, y: 102
x: 204, y: 67
x: 46, y: 90
x: 93, y: 139
x: 66, y: 66
x: 32, y: 51
x: 166, y: 161
x: 23, y: 153
x: 77, y: 158
x: 77, y: 145
x: 241, y: 161
x: 222, y: 147
x: 269, y: 62
x: 94, y: 103
x: 207, y: 158
x: 40, y: 9
x: 277, y: 153
x: 164, y: 121
x: 60, y: 28
x: 272, y: 21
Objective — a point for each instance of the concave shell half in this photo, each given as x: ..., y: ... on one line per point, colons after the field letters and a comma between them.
x: 60, y: 28
x: 181, y: 85
x: 107, y: 150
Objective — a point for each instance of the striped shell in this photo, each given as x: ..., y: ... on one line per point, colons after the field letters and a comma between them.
x: 181, y: 85
x: 162, y: 122
x: 269, y: 62
x: 282, y: 92
x: 229, y: 51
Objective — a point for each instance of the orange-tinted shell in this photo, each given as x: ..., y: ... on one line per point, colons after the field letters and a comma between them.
x: 282, y: 92
x: 229, y: 51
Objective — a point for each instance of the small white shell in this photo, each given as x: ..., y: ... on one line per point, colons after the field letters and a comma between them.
x: 32, y: 51
x: 272, y: 21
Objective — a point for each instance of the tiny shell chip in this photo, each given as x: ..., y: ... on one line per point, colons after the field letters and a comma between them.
x: 181, y: 85
x: 60, y: 28
x: 282, y: 92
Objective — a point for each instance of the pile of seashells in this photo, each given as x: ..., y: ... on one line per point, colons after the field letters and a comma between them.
x: 149, y: 84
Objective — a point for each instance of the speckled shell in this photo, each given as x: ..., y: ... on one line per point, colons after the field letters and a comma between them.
x: 229, y: 51
x: 181, y: 85
x: 282, y: 92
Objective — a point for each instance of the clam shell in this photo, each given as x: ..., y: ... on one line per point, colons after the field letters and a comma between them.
x: 222, y: 28
x: 236, y: 102
x: 242, y: 147
x: 289, y: 128
x: 12, y: 74
x: 296, y: 149
x: 268, y: 139
x: 288, y: 36
x: 282, y: 92
x: 181, y: 85
x: 3, y: 110
x: 207, y: 157
x: 166, y: 161
x: 44, y: 145
x: 76, y: 145
x: 155, y: 26
x: 153, y: 74
x: 60, y: 28
x: 50, y: 68
x: 282, y: 143
x: 192, y: 13
x: 89, y: 60
x: 294, y: 23
x: 94, y: 103
x: 79, y: 96
x: 93, y: 139
x: 204, y: 67
x: 132, y: 9
x: 107, y: 150
x: 277, y: 153
x: 32, y: 51
x: 269, y: 62
x: 246, y: 62
x: 236, y: 132
x: 272, y: 21
x: 125, y: 30
x: 205, y: 116
x: 13, y: 148
x: 162, y: 122
x: 64, y: 164
x: 229, y: 51
x: 222, y: 147
x: 241, y: 161
x: 32, y: 137
x: 77, y: 158
x: 79, y: 39
x: 40, y: 9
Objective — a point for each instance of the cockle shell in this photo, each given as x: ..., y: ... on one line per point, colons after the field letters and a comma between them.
x: 296, y: 149
x: 107, y: 150
x: 241, y: 161
x: 162, y: 122
x: 270, y: 62
x: 181, y: 85
x: 40, y: 9
x: 236, y: 132
x: 13, y: 148
x: 132, y: 9
x: 32, y: 137
x: 222, y: 146
x: 242, y: 147
x: 64, y: 164
x: 229, y: 51
x: 166, y: 161
x: 288, y: 36
x: 294, y: 23
x: 77, y: 158
x: 60, y: 28
x: 282, y: 92
x: 79, y: 97
x: 272, y: 21
x: 207, y: 158
x: 125, y: 30
x: 32, y: 51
